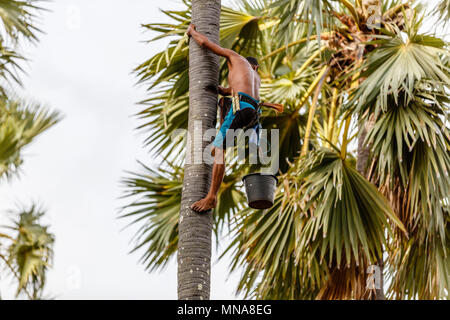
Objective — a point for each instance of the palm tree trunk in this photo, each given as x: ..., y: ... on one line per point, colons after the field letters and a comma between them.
x: 194, y: 246
x: 379, y: 292
x: 363, y: 151
x: 361, y: 165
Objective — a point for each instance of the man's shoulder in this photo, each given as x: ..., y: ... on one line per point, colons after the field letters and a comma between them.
x: 236, y: 56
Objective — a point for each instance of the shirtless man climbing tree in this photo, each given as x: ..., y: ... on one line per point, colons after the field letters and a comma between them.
x: 244, y: 83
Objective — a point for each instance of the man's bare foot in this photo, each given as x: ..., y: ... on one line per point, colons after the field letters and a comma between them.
x: 204, y: 204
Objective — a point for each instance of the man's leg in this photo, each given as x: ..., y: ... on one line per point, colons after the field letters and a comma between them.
x: 210, y: 201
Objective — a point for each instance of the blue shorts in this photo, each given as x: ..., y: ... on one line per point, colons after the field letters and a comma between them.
x: 238, y: 120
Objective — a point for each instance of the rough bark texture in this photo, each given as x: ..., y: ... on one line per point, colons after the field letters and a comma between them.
x: 363, y: 152
x: 194, y: 246
x: 361, y: 165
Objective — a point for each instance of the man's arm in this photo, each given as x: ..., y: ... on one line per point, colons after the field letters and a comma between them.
x: 203, y: 41
x: 276, y: 106
x: 224, y: 91
x: 219, y: 90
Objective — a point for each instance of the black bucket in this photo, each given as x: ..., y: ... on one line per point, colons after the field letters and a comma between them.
x: 260, y: 190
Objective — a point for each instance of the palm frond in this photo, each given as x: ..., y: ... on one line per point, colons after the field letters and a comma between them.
x: 443, y: 10
x: 31, y: 251
x: 20, y: 124
x: 350, y: 215
x: 19, y: 18
x: 265, y: 244
x: 236, y: 25
x: 317, y: 12
x: 155, y: 207
x: 156, y: 204
x: 329, y: 222
x: 401, y: 59
x: 10, y: 67
x: 411, y: 143
x: 420, y: 267
x: 18, y: 21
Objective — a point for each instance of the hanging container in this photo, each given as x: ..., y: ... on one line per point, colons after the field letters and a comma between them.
x: 260, y: 190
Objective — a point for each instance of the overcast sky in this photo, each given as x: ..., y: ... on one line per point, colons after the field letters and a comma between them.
x: 82, y: 68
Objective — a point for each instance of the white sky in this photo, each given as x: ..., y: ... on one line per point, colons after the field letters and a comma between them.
x: 82, y: 68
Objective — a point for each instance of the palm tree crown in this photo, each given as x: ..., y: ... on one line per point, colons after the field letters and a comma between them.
x: 343, y: 77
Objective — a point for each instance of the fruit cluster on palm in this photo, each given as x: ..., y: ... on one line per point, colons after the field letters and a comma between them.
x: 28, y: 252
x: 364, y: 150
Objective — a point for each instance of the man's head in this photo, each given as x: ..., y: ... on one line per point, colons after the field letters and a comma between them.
x: 253, y: 62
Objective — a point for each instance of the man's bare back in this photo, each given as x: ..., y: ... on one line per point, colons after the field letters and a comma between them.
x: 242, y: 78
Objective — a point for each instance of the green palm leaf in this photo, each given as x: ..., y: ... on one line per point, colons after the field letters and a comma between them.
x: 420, y: 267
x: 155, y: 208
x: 329, y: 223
x: 18, y: 21
x: 407, y: 145
x: 20, y: 124
x: 30, y: 252
x: 264, y: 247
x: 238, y: 25
x: 18, y: 18
x: 350, y: 216
x: 313, y: 11
x: 443, y: 10
x: 411, y: 163
x: 398, y: 64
